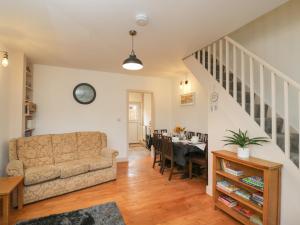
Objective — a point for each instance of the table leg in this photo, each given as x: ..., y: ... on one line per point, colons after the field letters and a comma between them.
x: 20, y: 195
x: 5, y: 209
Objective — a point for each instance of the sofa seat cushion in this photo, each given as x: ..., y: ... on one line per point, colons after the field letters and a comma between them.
x: 98, y: 163
x: 35, y: 151
x: 35, y: 175
x: 64, y: 147
x: 73, y: 168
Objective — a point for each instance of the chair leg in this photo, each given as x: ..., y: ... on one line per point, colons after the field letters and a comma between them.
x: 154, y: 160
x: 172, y: 168
x: 163, y: 166
x: 190, y: 169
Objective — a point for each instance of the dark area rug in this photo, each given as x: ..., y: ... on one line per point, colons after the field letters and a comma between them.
x: 106, y: 214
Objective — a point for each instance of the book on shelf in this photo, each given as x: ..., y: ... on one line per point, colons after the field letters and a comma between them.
x: 243, y: 193
x: 226, y: 167
x: 256, y: 220
x: 228, y: 201
x: 244, y: 211
x: 255, y: 181
x: 257, y: 198
x: 226, y: 186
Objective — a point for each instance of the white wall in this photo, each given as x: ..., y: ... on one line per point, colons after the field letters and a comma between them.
x: 229, y: 115
x: 193, y: 117
x: 4, y: 88
x: 58, y: 112
x: 11, y: 102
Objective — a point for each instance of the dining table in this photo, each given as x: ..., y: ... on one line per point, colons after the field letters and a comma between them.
x: 184, y: 148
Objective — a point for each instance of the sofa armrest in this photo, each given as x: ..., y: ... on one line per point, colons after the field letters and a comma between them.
x: 15, y: 168
x: 107, y: 152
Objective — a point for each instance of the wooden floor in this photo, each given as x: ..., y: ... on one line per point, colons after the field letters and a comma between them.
x: 143, y: 196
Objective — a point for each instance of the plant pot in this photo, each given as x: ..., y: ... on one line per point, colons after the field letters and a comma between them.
x: 243, y: 153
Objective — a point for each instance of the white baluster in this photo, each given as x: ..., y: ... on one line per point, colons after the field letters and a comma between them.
x: 234, y: 74
x: 251, y: 88
x: 199, y: 55
x: 274, y: 119
x: 209, y: 58
x: 299, y: 127
x: 214, y: 60
x: 227, y: 65
x: 262, y: 96
x: 221, y: 61
x: 286, y: 120
x: 203, y: 57
x: 243, y: 79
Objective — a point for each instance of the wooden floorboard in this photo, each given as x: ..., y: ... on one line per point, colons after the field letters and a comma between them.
x: 144, y: 197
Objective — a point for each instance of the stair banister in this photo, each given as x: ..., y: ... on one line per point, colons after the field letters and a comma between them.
x: 262, y: 96
x: 266, y: 65
x: 216, y: 54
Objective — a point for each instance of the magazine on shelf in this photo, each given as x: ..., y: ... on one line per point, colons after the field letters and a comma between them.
x: 255, y: 181
x: 226, y: 167
x: 228, y: 201
x: 226, y: 186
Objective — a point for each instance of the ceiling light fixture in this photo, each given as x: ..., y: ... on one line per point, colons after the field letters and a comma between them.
x: 132, y: 62
x: 4, y: 61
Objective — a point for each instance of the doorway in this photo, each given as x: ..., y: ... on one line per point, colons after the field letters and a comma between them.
x: 140, y: 121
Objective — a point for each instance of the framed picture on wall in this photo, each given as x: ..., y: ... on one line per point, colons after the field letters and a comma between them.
x: 187, y: 99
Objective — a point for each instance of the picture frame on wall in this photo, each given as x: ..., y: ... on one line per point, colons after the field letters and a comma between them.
x: 187, y: 99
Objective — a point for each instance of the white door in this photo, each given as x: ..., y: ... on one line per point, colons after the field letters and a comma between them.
x: 135, y: 122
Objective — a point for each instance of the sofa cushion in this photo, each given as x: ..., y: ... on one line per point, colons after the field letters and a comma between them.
x: 35, y: 175
x: 64, y: 147
x: 35, y: 151
x: 98, y: 163
x: 72, y: 168
x: 89, y: 144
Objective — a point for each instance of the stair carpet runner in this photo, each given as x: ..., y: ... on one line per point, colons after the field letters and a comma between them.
x: 294, y: 136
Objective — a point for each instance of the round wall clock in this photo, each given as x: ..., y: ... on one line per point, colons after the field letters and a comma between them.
x: 84, y: 93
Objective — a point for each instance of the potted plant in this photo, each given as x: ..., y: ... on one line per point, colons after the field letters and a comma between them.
x: 242, y: 140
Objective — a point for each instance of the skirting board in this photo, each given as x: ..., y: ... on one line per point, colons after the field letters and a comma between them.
x: 119, y: 160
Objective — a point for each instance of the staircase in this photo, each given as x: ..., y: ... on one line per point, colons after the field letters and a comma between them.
x: 249, y: 80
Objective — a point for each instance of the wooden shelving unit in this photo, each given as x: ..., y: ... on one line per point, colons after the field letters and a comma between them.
x: 29, y: 106
x: 271, y: 173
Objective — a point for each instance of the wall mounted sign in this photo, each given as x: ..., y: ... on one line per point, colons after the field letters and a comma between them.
x: 84, y: 93
x: 187, y: 99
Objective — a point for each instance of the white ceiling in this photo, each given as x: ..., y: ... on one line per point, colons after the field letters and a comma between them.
x: 93, y: 34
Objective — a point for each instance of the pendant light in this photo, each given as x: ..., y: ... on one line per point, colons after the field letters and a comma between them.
x: 132, y: 62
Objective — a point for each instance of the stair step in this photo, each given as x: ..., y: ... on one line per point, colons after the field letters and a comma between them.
x: 268, y: 124
x: 256, y: 109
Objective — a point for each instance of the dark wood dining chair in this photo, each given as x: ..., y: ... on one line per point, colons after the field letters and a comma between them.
x: 190, y: 134
x: 198, y: 159
x: 156, y: 132
x: 157, y: 145
x: 168, y: 154
x: 162, y: 131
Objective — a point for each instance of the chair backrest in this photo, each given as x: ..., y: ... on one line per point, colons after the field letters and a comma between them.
x: 203, y: 137
x: 157, y: 141
x: 162, y: 131
x: 167, y: 147
x: 156, y: 132
x: 190, y: 134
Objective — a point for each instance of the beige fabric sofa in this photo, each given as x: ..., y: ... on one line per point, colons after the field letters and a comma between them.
x: 59, y: 163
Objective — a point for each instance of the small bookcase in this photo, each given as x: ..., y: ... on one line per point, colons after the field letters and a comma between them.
x: 247, y: 210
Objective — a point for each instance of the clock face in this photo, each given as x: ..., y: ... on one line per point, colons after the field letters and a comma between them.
x: 84, y: 93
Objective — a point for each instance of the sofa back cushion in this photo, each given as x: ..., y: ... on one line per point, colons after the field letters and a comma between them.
x: 89, y: 144
x: 64, y: 147
x: 35, y: 151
